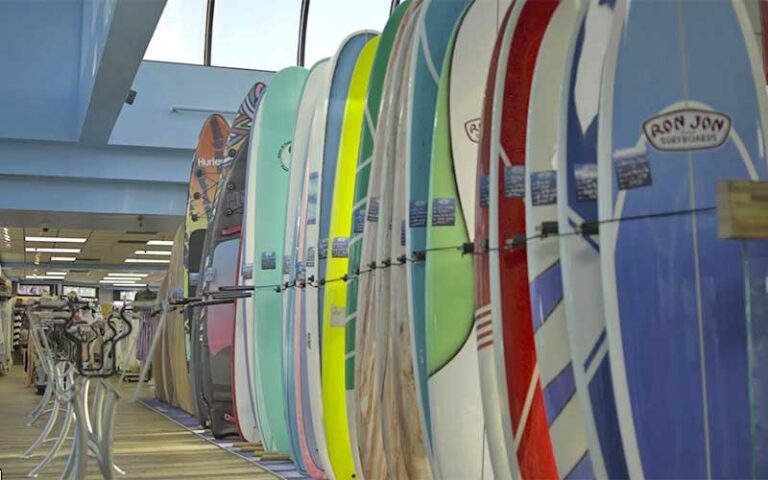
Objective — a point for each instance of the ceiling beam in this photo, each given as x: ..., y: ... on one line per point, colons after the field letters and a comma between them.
x: 122, y: 50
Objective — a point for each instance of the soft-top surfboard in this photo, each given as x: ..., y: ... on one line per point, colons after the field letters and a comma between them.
x: 359, y: 381
x: 207, y: 167
x: 321, y: 179
x: 435, y: 25
x: 299, y: 417
x: 680, y: 110
x: 220, y: 268
x: 269, y: 174
x: 563, y: 404
x: 306, y: 298
x: 335, y: 293
x: 579, y: 251
x: 510, y: 297
x: 458, y: 433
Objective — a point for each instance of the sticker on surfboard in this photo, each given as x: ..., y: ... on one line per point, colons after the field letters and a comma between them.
x: 687, y: 129
x: 472, y: 127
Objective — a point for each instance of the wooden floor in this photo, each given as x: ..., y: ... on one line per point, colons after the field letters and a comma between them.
x: 147, y: 445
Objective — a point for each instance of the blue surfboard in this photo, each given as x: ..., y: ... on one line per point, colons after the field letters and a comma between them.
x: 342, y: 75
x: 433, y: 33
x: 681, y: 109
x: 580, y: 254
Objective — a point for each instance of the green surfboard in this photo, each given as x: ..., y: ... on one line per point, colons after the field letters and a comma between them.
x: 270, y: 179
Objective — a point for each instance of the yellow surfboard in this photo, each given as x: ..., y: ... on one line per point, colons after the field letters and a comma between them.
x: 340, y: 449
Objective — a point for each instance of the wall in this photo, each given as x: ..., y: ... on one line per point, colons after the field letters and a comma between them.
x: 150, y: 121
x: 39, y: 84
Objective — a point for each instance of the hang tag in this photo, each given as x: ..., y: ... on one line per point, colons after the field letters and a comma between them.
x: 340, y: 247
x: 514, y: 181
x: 632, y: 167
x: 586, y: 182
x: 417, y: 214
x: 210, y: 274
x: 309, y: 258
x: 485, y: 190
x: 544, y: 188
x: 358, y: 221
x: 443, y: 212
x: 373, y: 210
x: 246, y: 271
x: 323, y: 249
x: 268, y: 261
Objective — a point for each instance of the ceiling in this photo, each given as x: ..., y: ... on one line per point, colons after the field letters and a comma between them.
x: 104, y: 252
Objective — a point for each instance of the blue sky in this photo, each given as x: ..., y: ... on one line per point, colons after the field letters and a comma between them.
x: 260, y: 34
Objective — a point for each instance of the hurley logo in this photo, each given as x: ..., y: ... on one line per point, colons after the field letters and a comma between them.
x: 687, y: 129
x: 472, y: 127
x: 210, y: 162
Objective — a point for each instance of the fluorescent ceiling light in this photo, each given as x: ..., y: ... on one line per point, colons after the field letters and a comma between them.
x: 165, y: 243
x: 52, y: 250
x: 129, y: 285
x: 145, y: 260
x: 56, y: 239
x: 56, y: 273
x: 63, y: 259
x: 42, y: 277
x: 137, y: 275
x: 152, y: 252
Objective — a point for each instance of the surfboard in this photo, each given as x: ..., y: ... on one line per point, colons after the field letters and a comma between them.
x: 324, y: 152
x: 307, y: 297
x: 671, y: 286
x: 563, y: 405
x: 219, y: 268
x: 490, y: 353
x: 270, y: 179
x: 360, y: 382
x: 435, y: 25
x: 203, y: 180
x: 404, y: 433
x: 389, y: 383
x: 507, y: 253
x: 579, y: 252
x: 458, y: 433
x: 246, y: 398
x: 334, y: 303
x: 174, y: 334
x: 304, y: 450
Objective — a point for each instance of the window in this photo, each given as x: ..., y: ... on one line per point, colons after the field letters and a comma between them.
x: 331, y: 21
x: 255, y: 34
x: 180, y: 33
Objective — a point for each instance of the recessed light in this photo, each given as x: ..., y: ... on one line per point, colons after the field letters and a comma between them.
x: 56, y: 239
x: 63, y: 259
x: 152, y: 252
x: 165, y: 243
x: 145, y: 260
x: 52, y: 250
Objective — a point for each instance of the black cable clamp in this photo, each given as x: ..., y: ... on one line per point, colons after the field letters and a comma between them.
x: 467, y: 248
x: 549, y: 228
x: 590, y: 228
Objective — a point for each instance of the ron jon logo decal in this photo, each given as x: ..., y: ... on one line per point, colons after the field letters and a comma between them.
x: 687, y: 129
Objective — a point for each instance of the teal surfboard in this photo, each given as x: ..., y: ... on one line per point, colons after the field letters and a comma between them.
x: 269, y: 176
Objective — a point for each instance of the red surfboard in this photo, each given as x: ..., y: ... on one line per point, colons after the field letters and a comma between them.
x: 492, y: 379
x: 508, y: 259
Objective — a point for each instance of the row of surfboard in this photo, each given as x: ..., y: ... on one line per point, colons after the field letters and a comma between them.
x: 482, y: 244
